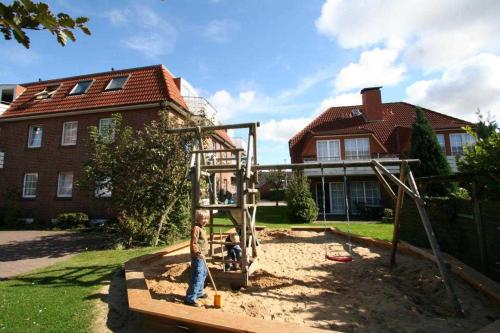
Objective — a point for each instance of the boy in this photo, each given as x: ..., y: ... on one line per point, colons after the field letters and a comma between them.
x: 233, y: 251
x: 198, y: 269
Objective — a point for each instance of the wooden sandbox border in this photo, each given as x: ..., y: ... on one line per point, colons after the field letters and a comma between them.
x: 182, y: 318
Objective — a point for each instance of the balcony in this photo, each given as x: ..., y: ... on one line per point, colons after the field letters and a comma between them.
x: 199, y: 106
x: 352, y: 171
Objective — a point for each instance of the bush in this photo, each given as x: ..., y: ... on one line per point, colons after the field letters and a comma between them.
x: 301, y: 206
x: 461, y: 193
x: 72, y: 220
x: 388, y: 216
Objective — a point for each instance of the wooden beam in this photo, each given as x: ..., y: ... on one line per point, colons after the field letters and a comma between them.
x: 435, y: 248
x: 384, y: 182
x: 397, y: 213
x: 331, y: 165
x: 397, y: 181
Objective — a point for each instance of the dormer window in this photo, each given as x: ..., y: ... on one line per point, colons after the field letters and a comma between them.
x: 116, y: 83
x: 47, y: 93
x: 81, y: 87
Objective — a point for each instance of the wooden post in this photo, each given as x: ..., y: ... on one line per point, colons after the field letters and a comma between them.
x: 243, y: 241
x: 480, y: 229
x: 435, y: 248
x: 397, y: 213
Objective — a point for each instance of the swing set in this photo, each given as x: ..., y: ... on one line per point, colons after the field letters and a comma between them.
x: 242, y: 213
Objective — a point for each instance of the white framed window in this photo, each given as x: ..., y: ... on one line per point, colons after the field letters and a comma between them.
x: 103, y: 189
x: 440, y: 138
x: 65, y: 185
x: 81, y: 87
x: 106, y: 126
x: 29, y: 185
x: 116, y: 83
x: 357, y: 149
x: 366, y: 192
x: 69, y: 133
x: 328, y: 150
x: 2, y: 159
x: 459, y: 140
x: 35, y: 136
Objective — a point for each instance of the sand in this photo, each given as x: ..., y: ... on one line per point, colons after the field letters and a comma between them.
x: 294, y: 283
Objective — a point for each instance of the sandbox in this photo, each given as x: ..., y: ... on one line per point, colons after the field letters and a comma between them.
x: 293, y: 283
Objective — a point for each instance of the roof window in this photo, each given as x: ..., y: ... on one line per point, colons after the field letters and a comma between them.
x: 7, y: 96
x: 81, y: 87
x: 116, y: 83
x: 48, y: 92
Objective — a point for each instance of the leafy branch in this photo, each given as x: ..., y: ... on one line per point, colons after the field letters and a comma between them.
x: 24, y: 15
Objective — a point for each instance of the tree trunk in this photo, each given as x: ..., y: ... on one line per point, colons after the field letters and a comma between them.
x: 163, y: 219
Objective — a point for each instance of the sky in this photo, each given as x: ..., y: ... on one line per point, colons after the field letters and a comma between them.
x: 283, y: 62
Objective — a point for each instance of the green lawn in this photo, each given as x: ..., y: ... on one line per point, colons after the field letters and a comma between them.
x: 60, y: 298
x: 276, y: 217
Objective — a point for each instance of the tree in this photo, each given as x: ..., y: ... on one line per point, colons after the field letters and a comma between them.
x: 485, y: 126
x: 482, y: 159
x: 22, y: 15
x: 301, y: 206
x: 146, y: 171
x: 425, y: 147
x: 276, y: 178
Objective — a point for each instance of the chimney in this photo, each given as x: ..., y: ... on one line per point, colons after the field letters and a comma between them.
x: 177, y: 81
x: 372, y: 103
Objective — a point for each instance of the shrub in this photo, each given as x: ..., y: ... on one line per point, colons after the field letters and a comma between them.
x: 301, y: 206
x: 461, y: 193
x: 388, y: 216
x: 72, y: 220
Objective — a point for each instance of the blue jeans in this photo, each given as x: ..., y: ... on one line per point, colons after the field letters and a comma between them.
x: 197, y: 278
x: 235, y: 252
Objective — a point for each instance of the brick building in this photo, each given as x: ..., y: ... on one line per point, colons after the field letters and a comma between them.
x: 362, y: 132
x: 43, y: 132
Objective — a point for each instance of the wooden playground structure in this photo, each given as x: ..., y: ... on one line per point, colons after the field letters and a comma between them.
x: 243, y: 211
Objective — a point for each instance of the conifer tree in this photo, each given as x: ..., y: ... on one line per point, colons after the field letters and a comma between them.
x: 425, y: 147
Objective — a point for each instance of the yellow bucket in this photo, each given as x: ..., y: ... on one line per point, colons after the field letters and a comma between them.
x: 217, y: 301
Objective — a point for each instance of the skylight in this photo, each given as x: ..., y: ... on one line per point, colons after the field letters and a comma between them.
x: 81, y: 87
x: 117, y: 83
x: 48, y: 92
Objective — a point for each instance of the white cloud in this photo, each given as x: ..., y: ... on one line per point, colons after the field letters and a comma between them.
x: 339, y: 100
x: 119, y: 16
x: 227, y: 105
x: 462, y: 89
x: 221, y: 31
x: 151, y: 34
x: 375, y: 67
x: 433, y: 33
x: 281, y: 130
x: 308, y: 82
x: 151, y: 45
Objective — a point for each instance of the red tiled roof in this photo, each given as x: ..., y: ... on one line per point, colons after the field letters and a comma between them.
x: 339, y: 120
x: 145, y: 85
x: 223, y: 134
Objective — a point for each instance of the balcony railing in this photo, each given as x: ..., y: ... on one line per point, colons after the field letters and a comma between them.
x: 199, y: 106
x: 351, y: 170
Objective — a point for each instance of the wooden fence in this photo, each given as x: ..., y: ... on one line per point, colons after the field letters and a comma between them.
x: 468, y: 230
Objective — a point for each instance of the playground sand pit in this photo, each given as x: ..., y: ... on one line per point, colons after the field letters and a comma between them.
x: 295, y: 283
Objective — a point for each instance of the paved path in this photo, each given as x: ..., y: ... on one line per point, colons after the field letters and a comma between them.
x: 23, y: 251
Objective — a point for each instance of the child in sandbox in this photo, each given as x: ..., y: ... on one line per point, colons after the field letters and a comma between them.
x: 233, y: 250
x: 198, y: 248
